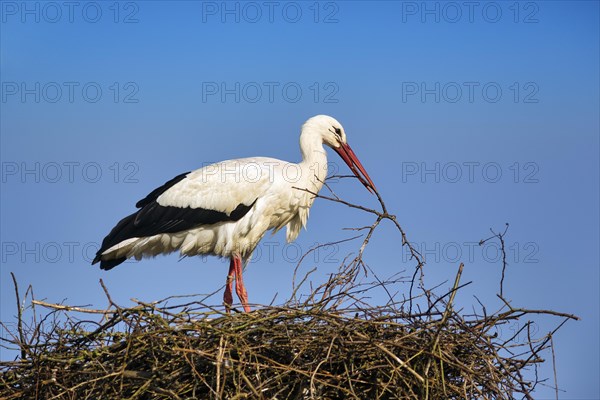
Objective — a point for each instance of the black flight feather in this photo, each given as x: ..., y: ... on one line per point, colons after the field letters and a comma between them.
x: 152, y: 219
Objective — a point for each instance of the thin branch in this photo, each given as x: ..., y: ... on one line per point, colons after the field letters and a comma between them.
x: 500, y: 237
x: 23, y: 343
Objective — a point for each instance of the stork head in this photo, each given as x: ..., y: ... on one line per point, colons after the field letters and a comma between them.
x: 332, y: 134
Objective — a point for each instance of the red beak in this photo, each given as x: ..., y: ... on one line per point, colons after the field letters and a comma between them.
x: 352, y: 161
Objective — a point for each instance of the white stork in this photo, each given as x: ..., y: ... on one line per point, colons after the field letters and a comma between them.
x: 225, y: 209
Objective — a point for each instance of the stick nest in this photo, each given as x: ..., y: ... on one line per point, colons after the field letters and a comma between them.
x: 331, y: 342
x: 332, y: 348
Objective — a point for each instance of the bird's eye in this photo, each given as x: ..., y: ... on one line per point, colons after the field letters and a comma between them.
x: 338, y: 131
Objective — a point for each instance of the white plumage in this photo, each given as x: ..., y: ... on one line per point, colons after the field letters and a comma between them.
x: 225, y: 209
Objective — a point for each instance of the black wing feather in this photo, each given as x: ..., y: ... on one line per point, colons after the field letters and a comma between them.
x: 153, y: 195
x: 152, y: 219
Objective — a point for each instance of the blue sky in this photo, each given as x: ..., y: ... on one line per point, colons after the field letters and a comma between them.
x: 465, y: 118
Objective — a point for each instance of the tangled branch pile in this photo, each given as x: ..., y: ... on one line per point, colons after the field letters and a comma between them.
x: 314, y: 350
x: 330, y: 343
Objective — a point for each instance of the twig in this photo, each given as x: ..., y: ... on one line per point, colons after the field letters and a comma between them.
x: 22, y: 344
x: 500, y: 237
x: 70, y: 308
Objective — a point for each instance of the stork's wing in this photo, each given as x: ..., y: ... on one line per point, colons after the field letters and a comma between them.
x: 160, y: 190
x: 222, y: 186
x: 220, y: 192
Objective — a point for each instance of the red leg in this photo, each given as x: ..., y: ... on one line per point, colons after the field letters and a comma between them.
x: 228, y: 296
x: 240, y: 289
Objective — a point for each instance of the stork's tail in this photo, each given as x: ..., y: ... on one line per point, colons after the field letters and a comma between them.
x: 122, y: 231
